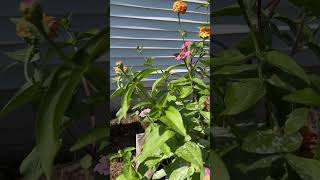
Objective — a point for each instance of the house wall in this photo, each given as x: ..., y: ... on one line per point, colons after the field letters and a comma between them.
x: 153, y: 25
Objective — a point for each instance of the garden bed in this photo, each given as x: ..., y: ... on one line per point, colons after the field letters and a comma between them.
x: 123, y: 135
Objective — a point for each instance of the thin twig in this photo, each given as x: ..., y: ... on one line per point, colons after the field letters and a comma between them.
x: 259, y: 15
x: 298, y: 36
x: 88, y: 94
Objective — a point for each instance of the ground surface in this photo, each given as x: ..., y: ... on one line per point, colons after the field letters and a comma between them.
x: 123, y: 135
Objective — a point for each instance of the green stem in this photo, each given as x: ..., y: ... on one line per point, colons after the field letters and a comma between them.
x: 251, y: 27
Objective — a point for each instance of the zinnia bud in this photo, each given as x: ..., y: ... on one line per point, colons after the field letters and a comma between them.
x: 180, y: 7
x: 205, y: 32
x: 52, y: 26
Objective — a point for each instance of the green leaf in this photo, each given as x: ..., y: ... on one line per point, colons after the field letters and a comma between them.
x: 296, y: 120
x: 229, y: 56
x: 310, y: 5
x: 307, y: 169
x: 26, y: 94
x: 305, y: 96
x: 267, y: 142
x: 51, y: 113
x: 157, y: 82
x: 154, y: 140
x: 181, y: 173
x: 144, y: 73
x: 277, y: 82
x: 315, y: 48
x: 265, y: 162
x: 30, y: 166
x: 117, y: 92
x: 231, y: 70
x: 174, y: 120
x: 159, y: 174
x: 199, y: 82
x: 170, y: 68
x: 86, y: 161
x: 218, y: 167
x: 128, y: 173
x: 315, y: 81
x: 231, y: 10
x: 97, y: 45
x: 125, y: 101
x: 20, y: 55
x: 91, y: 137
x: 242, y: 95
x: 191, y: 152
x: 185, y: 91
x: 287, y: 64
x: 149, y: 61
x: 97, y: 76
x: 206, y: 115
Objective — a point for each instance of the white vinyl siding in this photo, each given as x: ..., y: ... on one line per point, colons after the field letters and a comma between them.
x: 153, y: 25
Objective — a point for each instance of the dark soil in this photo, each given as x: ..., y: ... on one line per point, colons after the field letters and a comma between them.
x: 123, y: 135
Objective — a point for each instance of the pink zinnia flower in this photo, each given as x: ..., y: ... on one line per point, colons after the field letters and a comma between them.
x: 183, y: 55
x: 103, y: 166
x: 26, y: 4
x: 207, y: 174
x: 144, y: 112
x: 185, y: 46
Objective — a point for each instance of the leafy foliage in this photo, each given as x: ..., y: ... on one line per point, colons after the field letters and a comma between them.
x: 264, y: 98
x: 53, y: 91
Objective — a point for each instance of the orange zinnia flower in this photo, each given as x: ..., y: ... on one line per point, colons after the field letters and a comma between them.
x: 180, y: 7
x: 204, y: 32
x: 52, y: 25
x: 23, y: 30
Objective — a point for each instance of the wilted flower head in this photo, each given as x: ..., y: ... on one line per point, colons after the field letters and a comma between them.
x: 207, y: 104
x: 117, y: 70
x: 180, y: 7
x: 119, y: 64
x: 185, y: 46
x: 103, y: 166
x: 23, y: 30
x: 126, y: 69
x: 144, y: 112
x: 205, y: 32
x: 183, y: 55
x: 52, y: 26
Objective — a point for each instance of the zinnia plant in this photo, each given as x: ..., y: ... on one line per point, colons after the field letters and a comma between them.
x: 174, y: 111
